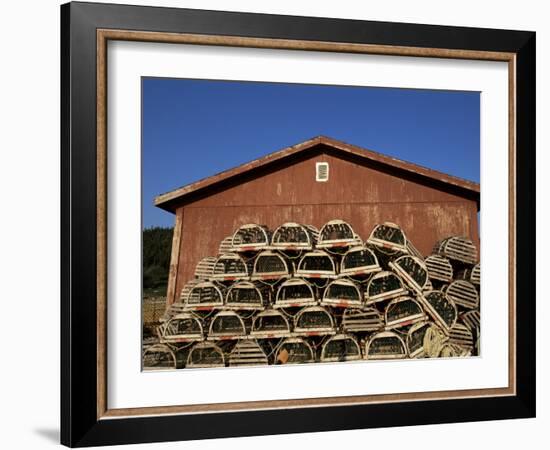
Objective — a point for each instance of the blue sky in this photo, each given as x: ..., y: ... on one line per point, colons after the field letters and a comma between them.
x: 192, y: 129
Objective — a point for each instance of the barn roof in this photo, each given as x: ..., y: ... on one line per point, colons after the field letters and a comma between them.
x: 169, y: 201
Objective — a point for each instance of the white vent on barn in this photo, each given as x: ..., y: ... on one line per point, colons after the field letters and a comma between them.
x: 270, y: 324
x: 337, y: 234
x: 441, y: 308
x: 205, y: 354
x: 316, y: 264
x: 294, y: 237
x: 359, y: 262
x: 226, y: 325
x: 271, y: 267
x: 457, y: 248
x: 184, y: 327
x: 413, y: 271
x: 342, y: 293
x: 340, y: 348
x: 383, y: 286
x: 439, y: 268
x: 159, y: 357
x: 205, y: 268
x: 314, y: 321
x: 402, y: 312
x: 244, y: 295
x: 205, y: 295
x: 294, y: 351
x: 295, y: 292
x: 247, y: 353
x: 321, y: 171
x: 251, y: 238
x: 229, y: 267
x: 463, y: 293
x: 361, y: 320
x: 385, y: 345
x: 425, y: 339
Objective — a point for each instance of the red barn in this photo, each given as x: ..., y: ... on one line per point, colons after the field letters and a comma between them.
x: 311, y: 183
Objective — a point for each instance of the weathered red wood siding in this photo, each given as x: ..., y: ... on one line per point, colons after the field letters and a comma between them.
x: 356, y: 193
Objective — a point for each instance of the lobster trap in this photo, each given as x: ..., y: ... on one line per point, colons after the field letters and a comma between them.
x: 294, y: 351
x: 439, y: 268
x: 385, y: 345
x: 270, y: 267
x: 316, y: 264
x: 184, y: 327
x: 412, y: 270
x: 314, y: 321
x: 471, y: 274
x: 295, y: 292
x: 204, y: 296
x: 441, y: 308
x: 247, y: 353
x: 472, y: 320
x: 384, y: 286
x: 205, y: 354
x: 389, y: 237
x: 205, y: 268
x: 457, y: 248
x: 361, y: 320
x: 340, y: 348
x: 359, y: 262
x: 225, y: 245
x: 270, y: 324
x: 337, y: 234
x: 402, y: 312
x: 342, y: 293
x: 425, y: 339
x: 463, y: 293
x: 293, y: 237
x: 226, y: 325
x: 251, y: 238
x: 453, y: 351
x: 461, y: 336
x: 229, y: 267
x: 159, y: 357
x: 245, y: 295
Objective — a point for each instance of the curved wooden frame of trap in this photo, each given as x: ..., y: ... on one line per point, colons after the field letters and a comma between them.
x: 160, y: 348
x: 382, y: 335
x: 409, y: 280
x: 270, y: 276
x: 185, y: 337
x: 292, y: 303
x: 201, y: 365
x: 295, y: 340
x: 208, y: 305
x: 229, y: 276
x: 359, y: 270
x: 462, y: 336
x: 439, y: 268
x: 386, y: 244
x: 423, y: 299
x: 314, y: 330
x: 387, y: 295
x: 324, y: 274
x: 438, y: 339
x: 254, y: 246
x: 420, y: 316
x: 348, y: 357
x: 453, y: 351
x: 246, y: 306
x: 257, y: 333
x: 342, y: 303
x: 457, y: 248
x: 338, y: 242
x: 205, y: 268
x: 229, y: 335
x: 247, y: 352
x: 463, y: 294
x: 362, y: 320
x: 471, y: 274
x: 309, y: 231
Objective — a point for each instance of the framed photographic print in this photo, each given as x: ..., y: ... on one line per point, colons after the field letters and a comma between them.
x: 276, y: 224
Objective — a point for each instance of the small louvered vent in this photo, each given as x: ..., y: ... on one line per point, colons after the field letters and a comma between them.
x: 321, y: 172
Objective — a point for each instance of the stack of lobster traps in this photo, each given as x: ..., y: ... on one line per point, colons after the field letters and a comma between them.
x: 301, y: 295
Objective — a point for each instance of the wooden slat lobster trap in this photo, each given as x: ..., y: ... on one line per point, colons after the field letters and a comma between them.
x: 247, y: 353
x: 294, y: 351
x: 359, y: 262
x: 337, y: 234
x: 251, y: 238
x: 412, y: 270
x: 361, y: 320
x: 463, y: 293
x: 471, y: 274
x: 270, y: 267
x: 227, y: 325
x: 403, y: 312
x: 295, y: 292
x: 205, y: 295
x: 385, y: 345
x: 225, y: 245
x: 159, y: 357
x: 270, y: 324
x: 439, y: 268
x: 314, y: 321
x: 461, y: 336
x: 449, y: 350
x: 383, y: 286
x: 205, y: 354
x: 472, y: 320
x: 340, y: 348
x: 229, y: 267
x: 185, y: 327
x: 317, y: 264
x: 342, y: 293
x: 441, y: 308
x: 245, y: 295
x: 389, y: 238
x: 457, y: 248
x: 424, y: 340
x: 292, y: 237
x: 205, y: 268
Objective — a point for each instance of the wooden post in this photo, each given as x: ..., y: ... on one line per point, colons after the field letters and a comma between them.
x: 171, y: 294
